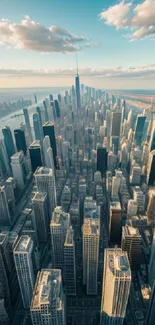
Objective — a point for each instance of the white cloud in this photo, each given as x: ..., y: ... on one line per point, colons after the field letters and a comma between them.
x: 31, y: 35
x: 108, y: 73
x: 117, y: 15
x: 140, y: 19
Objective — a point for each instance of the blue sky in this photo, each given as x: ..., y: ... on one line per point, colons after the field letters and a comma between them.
x: 106, y: 45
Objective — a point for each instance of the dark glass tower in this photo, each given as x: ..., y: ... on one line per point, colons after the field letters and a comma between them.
x: 57, y: 108
x: 35, y: 155
x: 8, y: 140
x: 27, y: 123
x: 48, y: 129
x: 77, y: 86
x: 139, y: 129
x: 151, y: 168
x: 20, y: 140
x: 102, y: 160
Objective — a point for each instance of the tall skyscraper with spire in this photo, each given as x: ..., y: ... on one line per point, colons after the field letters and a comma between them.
x: 77, y: 87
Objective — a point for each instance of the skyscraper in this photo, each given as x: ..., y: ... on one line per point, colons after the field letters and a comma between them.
x: 5, y: 217
x: 102, y: 160
x: 18, y: 169
x: 45, y: 110
x: 48, y: 302
x: 69, y: 263
x: 48, y: 129
x: 57, y: 108
x: 91, y: 236
x: 116, y: 124
x: 59, y: 225
x: 152, y: 263
x: 4, y: 161
x: 41, y: 216
x: 20, y: 140
x: 115, y: 288
x: 139, y: 129
x: 37, y: 127
x: 36, y: 157
x: 27, y: 123
x: 45, y: 182
x: 8, y: 140
x: 77, y: 87
x: 151, y: 168
x: 24, y: 267
x: 4, y: 280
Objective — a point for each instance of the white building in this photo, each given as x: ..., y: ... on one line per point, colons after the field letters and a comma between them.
x: 24, y: 267
x: 18, y: 169
x: 48, y: 302
x: 116, y: 182
x: 139, y: 197
x: 91, y: 236
x: 115, y: 288
x: 45, y: 181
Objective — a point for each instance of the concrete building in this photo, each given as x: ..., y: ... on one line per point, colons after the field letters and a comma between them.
x: 139, y: 197
x: 132, y: 244
x: 132, y: 208
x: 91, y: 236
x: 48, y: 302
x: 115, y: 288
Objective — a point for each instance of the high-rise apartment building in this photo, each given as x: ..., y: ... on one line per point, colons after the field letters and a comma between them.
x: 24, y: 266
x: 115, y: 288
x: 69, y: 263
x: 91, y: 237
x: 45, y: 181
x: 151, y: 206
x: 139, y: 196
x: 115, y: 222
x: 59, y: 225
x: 48, y: 302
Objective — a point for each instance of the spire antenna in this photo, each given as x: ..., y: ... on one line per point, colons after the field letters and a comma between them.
x: 77, y: 67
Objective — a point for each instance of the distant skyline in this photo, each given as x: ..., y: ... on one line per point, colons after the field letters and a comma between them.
x: 115, y: 42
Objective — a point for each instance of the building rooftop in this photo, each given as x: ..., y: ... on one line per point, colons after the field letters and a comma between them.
x: 91, y: 227
x: 118, y: 263
x: 23, y: 245
x: 48, y: 123
x: 44, y: 171
x: 2, y: 238
x: 59, y: 217
x: 47, y: 288
x: 39, y: 196
x: 129, y: 231
x: 35, y: 144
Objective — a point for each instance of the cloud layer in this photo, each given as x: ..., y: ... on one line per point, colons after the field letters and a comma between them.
x: 30, y: 35
x: 140, y: 19
x: 109, y: 73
